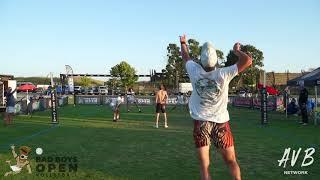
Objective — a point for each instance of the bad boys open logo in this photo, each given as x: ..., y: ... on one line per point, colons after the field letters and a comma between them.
x: 55, y: 166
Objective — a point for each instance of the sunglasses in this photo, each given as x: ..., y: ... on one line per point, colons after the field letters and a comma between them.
x: 23, y: 157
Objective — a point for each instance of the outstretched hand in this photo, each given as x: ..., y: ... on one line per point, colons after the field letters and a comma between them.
x: 184, y: 48
x: 236, y: 48
x: 183, y: 39
x: 12, y: 147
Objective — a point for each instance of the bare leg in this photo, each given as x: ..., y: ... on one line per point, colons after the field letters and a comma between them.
x: 11, y: 172
x: 6, y: 118
x: 157, y: 120
x: 128, y: 107
x: 229, y: 157
x: 10, y: 118
x: 118, y: 114
x: 165, y: 120
x: 137, y: 106
x: 8, y: 173
x: 204, y: 158
x: 114, y: 115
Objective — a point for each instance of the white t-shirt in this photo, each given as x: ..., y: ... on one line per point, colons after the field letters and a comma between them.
x: 116, y: 101
x: 209, y: 98
x: 130, y: 96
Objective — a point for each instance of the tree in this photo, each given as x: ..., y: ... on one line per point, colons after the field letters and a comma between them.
x: 113, y: 83
x: 221, y: 61
x: 124, y: 73
x: 84, y: 81
x: 194, y: 50
x: 250, y: 76
x: 175, y: 70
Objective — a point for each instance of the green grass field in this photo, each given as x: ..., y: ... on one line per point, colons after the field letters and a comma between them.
x: 133, y: 149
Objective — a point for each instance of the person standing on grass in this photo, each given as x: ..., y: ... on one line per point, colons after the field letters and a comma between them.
x: 131, y: 99
x: 115, y: 105
x: 208, y: 104
x: 303, y: 99
x: 161, y: 100
x: 180, y: 101
x: 30, y: 105
x: 10, y: 106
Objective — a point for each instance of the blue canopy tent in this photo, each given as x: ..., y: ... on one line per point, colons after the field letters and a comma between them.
x: 310, y: 79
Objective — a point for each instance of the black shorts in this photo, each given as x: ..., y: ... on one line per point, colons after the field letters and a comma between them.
x: 160, y: 108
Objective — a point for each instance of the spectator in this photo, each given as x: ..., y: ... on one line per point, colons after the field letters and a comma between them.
x: 310, y: 107
x: 180, y: 102
x: 292, y: 107
x: 10, y: 109
x: 303, y: 98
x: 29, y: 106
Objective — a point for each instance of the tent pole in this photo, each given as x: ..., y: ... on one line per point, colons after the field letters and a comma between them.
x: 316, y: 105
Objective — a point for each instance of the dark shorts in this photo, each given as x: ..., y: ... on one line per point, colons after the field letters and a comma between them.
x: 219, y: 134
x: 160, y: 108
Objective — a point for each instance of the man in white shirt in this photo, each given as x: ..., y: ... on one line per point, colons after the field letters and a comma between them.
x: 131, y: 99
x: 180, y: 101
x: 208, y: 104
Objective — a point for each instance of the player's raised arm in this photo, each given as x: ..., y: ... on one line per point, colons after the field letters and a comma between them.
x: 244, y: 60
x: 13, y: 151
x: 184, y: 48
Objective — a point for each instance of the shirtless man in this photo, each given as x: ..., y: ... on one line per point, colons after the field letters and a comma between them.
x: 161, y: 99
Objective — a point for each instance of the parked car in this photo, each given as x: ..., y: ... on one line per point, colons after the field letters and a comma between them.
x: 90, y: 90
x: 103, y: 90
x: 77, y: 89
x: 93, y: 90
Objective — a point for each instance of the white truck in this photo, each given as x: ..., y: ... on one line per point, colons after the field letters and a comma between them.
x: 5, y: 82
x: 185, y: 87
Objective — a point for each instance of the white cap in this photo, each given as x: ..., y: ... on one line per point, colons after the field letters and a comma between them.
x: 208, y: 55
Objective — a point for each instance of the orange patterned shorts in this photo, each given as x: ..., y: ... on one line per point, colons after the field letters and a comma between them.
x: 219, y: 134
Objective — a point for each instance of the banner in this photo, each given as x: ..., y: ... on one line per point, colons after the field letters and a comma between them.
x: 106, y: 99
x: 88, y: 100
x: 264, y: 106
x: 54, y: 113
x: 70, y: 84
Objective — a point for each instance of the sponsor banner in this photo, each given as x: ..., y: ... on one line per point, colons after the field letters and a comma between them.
x: 145, y: 101
x: 71, y: 84
x: 273, y: 103
x: 54, y: 112
x: 264, y: 106
x: 106, y: 99
x: 242, y: 101
x: 88, y: 100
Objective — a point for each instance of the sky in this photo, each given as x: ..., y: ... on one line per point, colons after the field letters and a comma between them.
x: 42, y: 36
